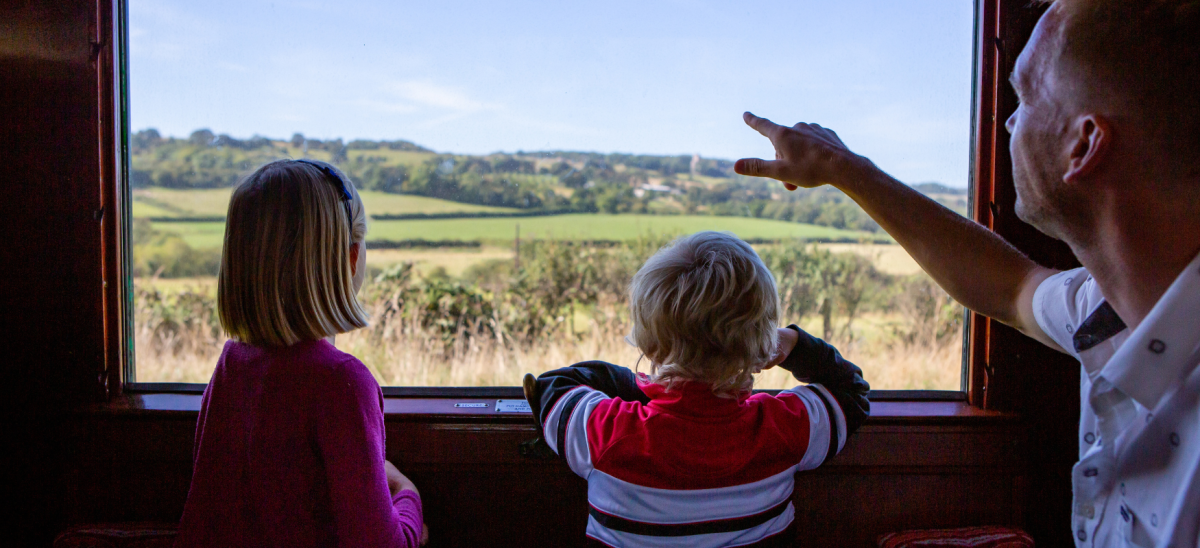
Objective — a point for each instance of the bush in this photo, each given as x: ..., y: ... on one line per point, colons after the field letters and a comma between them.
x: 167, y: 255
x: 931, y: 316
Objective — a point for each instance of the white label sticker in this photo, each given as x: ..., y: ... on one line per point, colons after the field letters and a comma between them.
x: 513, y: 406
x: 484, y: 405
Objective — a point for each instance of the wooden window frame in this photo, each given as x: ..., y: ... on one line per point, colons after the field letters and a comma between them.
x: 989, y: 197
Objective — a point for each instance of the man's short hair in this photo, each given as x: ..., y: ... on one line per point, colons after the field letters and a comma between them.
x: 1145, y: 54
x: 705, y: 308
x: 285, y: 272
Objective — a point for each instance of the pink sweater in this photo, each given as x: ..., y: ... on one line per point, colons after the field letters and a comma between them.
x: 289, y: 452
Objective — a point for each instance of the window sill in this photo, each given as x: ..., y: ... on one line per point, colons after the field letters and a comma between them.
x: 885, y: 411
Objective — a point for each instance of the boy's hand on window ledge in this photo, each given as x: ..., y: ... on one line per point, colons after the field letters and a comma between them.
x: 787, y: 341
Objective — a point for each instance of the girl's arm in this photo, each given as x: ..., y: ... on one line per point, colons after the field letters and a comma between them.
x: 351, y: 440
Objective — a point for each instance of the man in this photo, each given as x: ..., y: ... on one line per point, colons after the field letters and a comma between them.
x: 1106, y: 157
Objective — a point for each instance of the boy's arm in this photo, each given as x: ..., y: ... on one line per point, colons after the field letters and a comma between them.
x: 565, y: 400
x: 836, y: 395
x: 814, y: 361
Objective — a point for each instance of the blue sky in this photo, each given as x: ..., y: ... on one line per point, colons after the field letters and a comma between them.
x: 893, y: 78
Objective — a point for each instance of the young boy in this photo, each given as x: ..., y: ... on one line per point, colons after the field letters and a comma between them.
x: 686, y: 456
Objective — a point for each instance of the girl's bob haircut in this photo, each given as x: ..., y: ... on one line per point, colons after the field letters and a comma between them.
x: 285, y: 270
x: 705, y: 308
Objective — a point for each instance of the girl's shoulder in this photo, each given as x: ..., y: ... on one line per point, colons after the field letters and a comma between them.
x: 338, y: 365
x: 319, y: 358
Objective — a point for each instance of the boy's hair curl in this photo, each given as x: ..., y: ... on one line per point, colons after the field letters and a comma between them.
x: 705, y: 308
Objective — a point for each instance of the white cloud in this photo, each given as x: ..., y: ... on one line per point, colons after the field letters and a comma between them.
x: 429, y: 94
x: 389, y: 107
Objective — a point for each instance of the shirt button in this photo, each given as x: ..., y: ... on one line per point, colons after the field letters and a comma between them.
x: 1090, y: 473
x: 1070, y: 329
x: 1154, y: 520
x: 1122, y: 489
x: 1149, y: 416
x: 1086, y: 510
x: 1157, y: 346
x: 1174, y: 439
x: 1089, y: 438
x: 1081, y: 535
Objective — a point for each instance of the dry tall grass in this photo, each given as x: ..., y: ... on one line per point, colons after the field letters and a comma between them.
x: 401, y: 353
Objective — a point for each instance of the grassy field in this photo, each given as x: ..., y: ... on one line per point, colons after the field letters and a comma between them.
x: 888, y: 258
x: 584, y: 226
x: 166, y: 202
x: 453, y: 260
x: 405, y: 357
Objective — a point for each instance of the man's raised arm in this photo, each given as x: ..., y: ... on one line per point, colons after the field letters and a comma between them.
x: 974, y: 265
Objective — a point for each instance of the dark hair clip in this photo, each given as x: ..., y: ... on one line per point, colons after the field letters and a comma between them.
x: 329, y: 171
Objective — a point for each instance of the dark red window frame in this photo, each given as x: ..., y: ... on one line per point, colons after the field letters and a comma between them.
x: 1000, y: 28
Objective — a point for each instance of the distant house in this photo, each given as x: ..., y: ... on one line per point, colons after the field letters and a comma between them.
x: 643, y: 189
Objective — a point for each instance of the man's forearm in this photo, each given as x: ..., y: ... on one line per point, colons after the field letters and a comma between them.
x: 974, y: 265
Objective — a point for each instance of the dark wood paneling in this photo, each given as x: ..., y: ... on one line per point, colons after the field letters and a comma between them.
x: 51, y: 317
x: 906, y: 468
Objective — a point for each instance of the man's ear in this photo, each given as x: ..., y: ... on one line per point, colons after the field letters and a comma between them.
x: 1091, y: 139
x: 354, y: 247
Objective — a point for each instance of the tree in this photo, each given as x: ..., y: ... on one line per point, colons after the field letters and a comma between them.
x: 201, y: 137
x: 145, y: 140
x: 338, y: 149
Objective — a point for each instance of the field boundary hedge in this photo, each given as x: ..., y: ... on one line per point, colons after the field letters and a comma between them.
x: 210, y: 219
x: 420, y: 243
x: 473, y: 214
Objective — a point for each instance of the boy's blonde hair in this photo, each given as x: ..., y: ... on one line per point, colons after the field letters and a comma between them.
x: 285, y: 272
x: 705, y: 308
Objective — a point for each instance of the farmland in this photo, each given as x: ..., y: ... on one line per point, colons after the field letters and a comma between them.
x: 451, y: 302
x: 213, y: 202
x: 586, y: 226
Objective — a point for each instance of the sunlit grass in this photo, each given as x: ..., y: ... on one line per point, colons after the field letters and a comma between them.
x: 214, y: 202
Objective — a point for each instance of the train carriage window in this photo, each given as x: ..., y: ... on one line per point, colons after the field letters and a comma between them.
x: 519, y: 160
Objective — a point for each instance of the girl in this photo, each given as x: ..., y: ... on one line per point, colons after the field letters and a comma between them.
x: 290, y: 441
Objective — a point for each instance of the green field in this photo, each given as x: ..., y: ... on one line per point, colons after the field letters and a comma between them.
x: 561, y: 227
x: 166, y: 202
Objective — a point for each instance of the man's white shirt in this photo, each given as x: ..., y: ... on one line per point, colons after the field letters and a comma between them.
x: 1137, y: 482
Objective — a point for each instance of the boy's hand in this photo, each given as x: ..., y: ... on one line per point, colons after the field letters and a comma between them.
x: 787, y: 341
x: 398, y: 482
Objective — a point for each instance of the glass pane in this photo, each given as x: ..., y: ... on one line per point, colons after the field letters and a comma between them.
x: 519, y: 161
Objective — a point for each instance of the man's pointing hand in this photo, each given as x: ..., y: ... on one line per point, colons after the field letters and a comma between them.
x: 806, y: 155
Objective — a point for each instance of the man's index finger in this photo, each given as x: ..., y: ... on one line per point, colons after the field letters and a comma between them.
x: 764, y: 126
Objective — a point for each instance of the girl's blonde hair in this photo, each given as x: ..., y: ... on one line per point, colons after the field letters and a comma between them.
x: 285, y: 272
x: 705, y: 308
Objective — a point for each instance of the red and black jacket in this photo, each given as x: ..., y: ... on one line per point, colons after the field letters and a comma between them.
x: 687, y: 467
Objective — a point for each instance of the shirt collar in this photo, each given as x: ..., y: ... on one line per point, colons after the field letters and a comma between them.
x: 1161, y: 350
x: 690, y: 399
x: 1102, y: 325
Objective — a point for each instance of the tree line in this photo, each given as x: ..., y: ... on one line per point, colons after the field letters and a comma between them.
x: 541, y: 180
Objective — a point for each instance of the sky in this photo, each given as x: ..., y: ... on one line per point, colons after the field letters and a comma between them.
x: 893, y: 78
